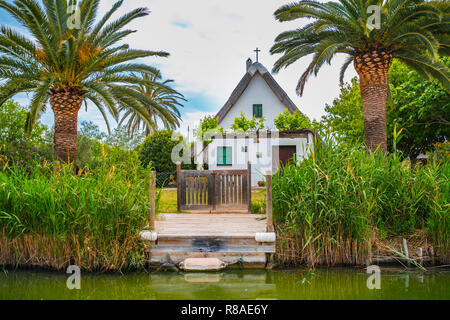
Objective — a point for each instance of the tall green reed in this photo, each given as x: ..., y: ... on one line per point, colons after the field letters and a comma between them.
x: 342, y: 195
x: 97, y: 211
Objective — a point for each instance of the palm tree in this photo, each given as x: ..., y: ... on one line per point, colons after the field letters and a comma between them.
x: 68, y: 61
x: 164, y: 107
x: 412, y: 31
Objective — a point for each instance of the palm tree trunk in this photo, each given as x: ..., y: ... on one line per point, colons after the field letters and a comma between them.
x: 372, y: 68
x: 65, y: 104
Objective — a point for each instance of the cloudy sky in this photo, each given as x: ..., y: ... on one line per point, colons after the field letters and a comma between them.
x: 209, y: 42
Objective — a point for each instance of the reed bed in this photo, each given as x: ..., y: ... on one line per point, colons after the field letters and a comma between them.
x: 329, y: 208
x: 51, y: 218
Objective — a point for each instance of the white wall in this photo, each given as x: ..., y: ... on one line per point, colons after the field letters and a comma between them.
x: 257, y: 92
x: 259, y: 165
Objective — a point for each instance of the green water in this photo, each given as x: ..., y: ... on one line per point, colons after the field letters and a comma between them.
x: 280, y: 284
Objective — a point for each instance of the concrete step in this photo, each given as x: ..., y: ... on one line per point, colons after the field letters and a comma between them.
x: 247, y: 259
x: 202, y: 264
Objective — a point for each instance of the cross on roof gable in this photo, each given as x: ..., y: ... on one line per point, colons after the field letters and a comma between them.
x: 255, y: 68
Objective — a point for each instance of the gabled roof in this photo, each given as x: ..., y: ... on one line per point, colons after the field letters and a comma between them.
x: 242, y: 85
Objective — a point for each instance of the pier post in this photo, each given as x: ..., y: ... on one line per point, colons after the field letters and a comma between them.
x: 249, y: 187
x: 269, y: 201
x: 152, y: 199
x: 178, y: 186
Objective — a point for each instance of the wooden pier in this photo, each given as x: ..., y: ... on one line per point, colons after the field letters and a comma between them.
x: 230, y: 239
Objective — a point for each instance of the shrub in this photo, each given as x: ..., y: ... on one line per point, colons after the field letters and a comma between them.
x: 208, y: 125
x: 287, y: 121
x: 12, y: 125
x: 157, y: 151
x: 242, y: 124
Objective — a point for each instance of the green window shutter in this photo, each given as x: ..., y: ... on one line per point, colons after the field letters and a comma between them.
x: 257, y: 110
x: 220, y: 156
x: 228, y: 156
x: 224, y: 156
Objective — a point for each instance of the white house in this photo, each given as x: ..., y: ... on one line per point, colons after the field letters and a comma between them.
x: 257, y: 94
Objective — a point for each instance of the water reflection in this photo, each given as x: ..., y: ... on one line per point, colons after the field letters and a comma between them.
x: 343, y: 283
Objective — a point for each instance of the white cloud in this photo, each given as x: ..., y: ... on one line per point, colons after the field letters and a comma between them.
x: 209, y: 42
x: 208, y: 55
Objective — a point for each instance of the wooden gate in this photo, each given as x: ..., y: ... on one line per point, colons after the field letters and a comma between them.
x: 214, y: 190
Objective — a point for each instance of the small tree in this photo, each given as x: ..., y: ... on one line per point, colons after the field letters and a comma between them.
x: 207, y: 125
x: 243, y: 124
x: 287, y: 121
x: 12, y: 124
x: 418, y: 107
x: 157, y: 150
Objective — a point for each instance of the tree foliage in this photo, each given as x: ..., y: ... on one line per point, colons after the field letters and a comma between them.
x: 91, y: 60
x: 156, y: 151
x: 208, y: 125
x: 164, y: 111
x: 420, y: 107
x: 12, y: 124
x: 242, y: 124
x: 287, y: 121
x: 413, y: 31
x: 344, y: 116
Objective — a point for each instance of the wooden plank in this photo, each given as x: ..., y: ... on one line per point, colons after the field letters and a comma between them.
x: 183, y: 191
x: 249, y: 186
x: 179, y: 186
x: 235, y: 177
x: 201, y: 191
x: 244, y: 189
x: 197, y: 189
x: 192, y: 190
x: 205, y: 190
x: 196, y: 172
x: 227, y: 190
x: 222, y: 179
x: 188, y: 190
x: 211, y: 190
x: 152, y: 212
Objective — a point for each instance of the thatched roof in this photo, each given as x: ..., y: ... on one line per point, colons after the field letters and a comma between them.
x: 252, y: 70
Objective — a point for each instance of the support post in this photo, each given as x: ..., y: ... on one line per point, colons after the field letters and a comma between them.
x: 178, y: 186
x: 405, y: 249
x: 269, y: 201
x: 152, y: 200
x: 213, y: 193
x: 249, y: 187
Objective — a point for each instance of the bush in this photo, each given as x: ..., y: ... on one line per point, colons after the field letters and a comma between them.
x: 157, y: 152
x: 242, y: 124
x: 12, y: 125
x: 340, y: 195
x: 286, y: 121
